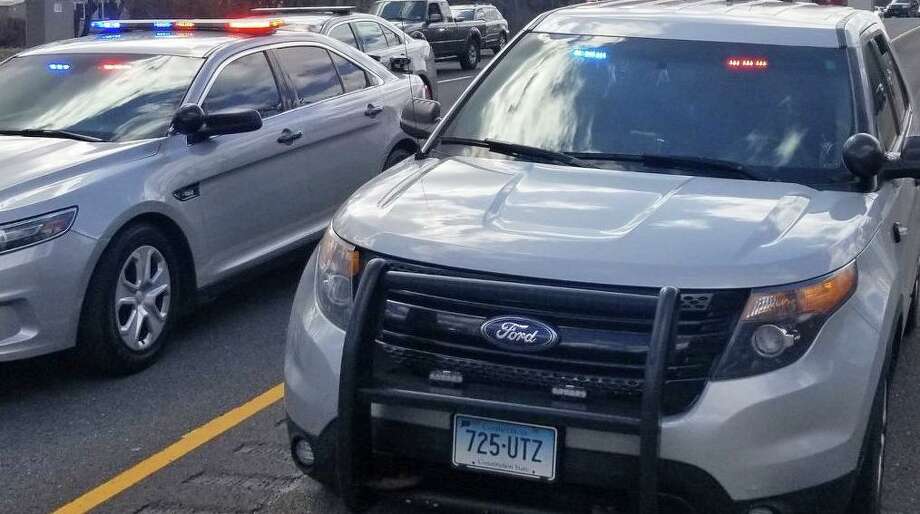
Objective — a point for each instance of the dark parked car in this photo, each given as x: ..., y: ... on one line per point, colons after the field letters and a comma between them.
x: 902, y: 9
x: 434, y: 21
x: 495, y: 34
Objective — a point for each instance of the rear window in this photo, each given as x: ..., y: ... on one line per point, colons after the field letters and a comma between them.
x: 782, y: 112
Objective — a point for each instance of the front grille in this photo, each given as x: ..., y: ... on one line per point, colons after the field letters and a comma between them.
x: 600, y: 352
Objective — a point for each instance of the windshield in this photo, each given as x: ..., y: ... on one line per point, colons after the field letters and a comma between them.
x: 109, y: 97
x: 402, y: 11
x: 463, y: 14
x: 781, y: 112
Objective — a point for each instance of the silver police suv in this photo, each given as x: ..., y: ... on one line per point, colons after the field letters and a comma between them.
x: 161, y: 157
x: 658, y: 258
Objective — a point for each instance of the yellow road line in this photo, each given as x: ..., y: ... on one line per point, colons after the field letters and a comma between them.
x: 188, y: 443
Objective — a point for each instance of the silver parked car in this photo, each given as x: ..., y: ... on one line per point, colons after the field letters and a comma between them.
x: 373, y: 35
x: 147, y: 162
x: 659, y: 257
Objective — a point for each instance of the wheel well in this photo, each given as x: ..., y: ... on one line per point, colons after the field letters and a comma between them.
x: 406, y: 144
x: 175, y: 234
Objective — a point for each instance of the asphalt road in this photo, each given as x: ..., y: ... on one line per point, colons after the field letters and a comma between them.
x: 64, y: 431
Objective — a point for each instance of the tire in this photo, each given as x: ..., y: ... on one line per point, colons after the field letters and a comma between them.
x: 398, y: 155
x: 469, y: 59
x: 867, y: 491
x: 130, y: 308
x: 913, y: 313
x: 502, y: 41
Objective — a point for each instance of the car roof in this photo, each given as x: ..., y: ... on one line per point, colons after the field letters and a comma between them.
x: 318, y: 22
x: 758, y: 21
x: 199, y: 44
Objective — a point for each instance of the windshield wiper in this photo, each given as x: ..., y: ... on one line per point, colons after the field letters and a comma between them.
x: 60, y: 134
x: 516, y: 150
x: 674, y: 161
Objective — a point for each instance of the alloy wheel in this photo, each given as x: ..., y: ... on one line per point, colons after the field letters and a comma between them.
x: 142, y: 298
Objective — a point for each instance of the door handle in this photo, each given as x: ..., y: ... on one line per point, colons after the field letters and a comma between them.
x: 900, y: 232
x: 372, y: 110
x: 288, y: 136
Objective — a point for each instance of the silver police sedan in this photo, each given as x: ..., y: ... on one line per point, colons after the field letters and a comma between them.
x: 373, y: 35
x: 157, y: 158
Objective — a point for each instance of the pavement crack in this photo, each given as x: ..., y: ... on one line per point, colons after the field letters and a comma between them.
x: 248, y: 482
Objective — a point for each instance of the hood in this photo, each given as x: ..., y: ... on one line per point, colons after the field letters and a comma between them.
x: 35, y: 162
x: 607, y: 227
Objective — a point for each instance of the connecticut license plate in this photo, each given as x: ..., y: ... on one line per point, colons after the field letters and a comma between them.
x: 505, y: 447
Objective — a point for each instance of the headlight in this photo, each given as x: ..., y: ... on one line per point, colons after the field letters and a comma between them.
x: 20, y: 234
x: 778, y: 325
x: 337, y: 265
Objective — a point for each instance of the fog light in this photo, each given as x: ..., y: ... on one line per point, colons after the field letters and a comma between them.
x: 303, y: 452
x: 771, y: 340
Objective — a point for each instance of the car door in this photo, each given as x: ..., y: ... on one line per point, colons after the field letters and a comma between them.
x: 888, y: 100
x: 338, y: 113
x: 440, y: 30
x: 240, y: 184
x: 489, y: 32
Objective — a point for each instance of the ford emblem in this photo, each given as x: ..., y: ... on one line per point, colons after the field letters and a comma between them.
x: 519, y: 334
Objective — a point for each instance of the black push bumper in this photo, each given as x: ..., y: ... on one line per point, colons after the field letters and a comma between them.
x: 645, y: 484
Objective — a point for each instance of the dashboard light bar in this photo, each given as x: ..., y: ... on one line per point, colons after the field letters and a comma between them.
x: 115, y: 66
x: 747, y: 63
x: 56, y: 66
x: 590, y: 53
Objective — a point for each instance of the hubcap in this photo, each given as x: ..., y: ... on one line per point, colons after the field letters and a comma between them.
x: 473, y: 53
x: 142, y: 298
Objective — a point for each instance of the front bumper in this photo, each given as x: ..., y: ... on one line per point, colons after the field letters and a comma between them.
x: 796, y: 429
x: 41, y: 295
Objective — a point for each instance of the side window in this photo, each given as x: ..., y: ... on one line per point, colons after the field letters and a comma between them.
x: 311, y: 71
x: 895, y: 82
x: 480, y: 14
x: 882, y: 104
x: 393, y: 39
x: 371, y: 36
x: 353, y: 76
x: 344, y: 34
x: 246, y: 83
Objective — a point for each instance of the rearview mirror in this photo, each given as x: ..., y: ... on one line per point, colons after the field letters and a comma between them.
x: 192, y: 121
x: 419, y: 117
x: 864, y: 156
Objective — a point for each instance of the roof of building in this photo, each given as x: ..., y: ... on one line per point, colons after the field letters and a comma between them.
x: 757, y: 21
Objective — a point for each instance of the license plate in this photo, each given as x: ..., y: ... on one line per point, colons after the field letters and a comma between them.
x: 505, y: 447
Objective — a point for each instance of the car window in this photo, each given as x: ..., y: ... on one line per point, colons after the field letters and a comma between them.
x: 401, y: 11
x: 312, y: 73
x: 112, y: 97
x: 371, y: 36
x: 434, y: 10
x: 392, y: 38
x: 896, y: 85
x: 462, y: 14
x: 344, y: 34
x: 246, y: 83
x: 885, y: 120
x: 352, y: 75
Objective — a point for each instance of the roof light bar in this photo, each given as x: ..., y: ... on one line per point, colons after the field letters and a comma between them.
x: 254, y: 26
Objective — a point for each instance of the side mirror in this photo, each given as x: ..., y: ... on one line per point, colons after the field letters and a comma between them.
x: 192, y: 121
x: 419, y: 117
x: 864, y: 156
x: 419, y: 35
x: 188, y: 119
x: 232, y: 122
x: 910, y: 152
x: 401, y: 64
